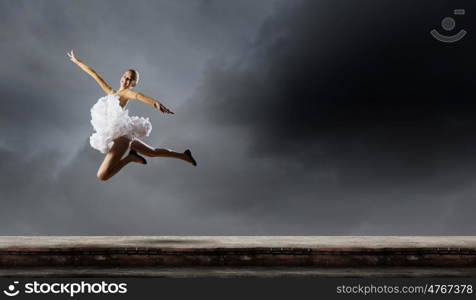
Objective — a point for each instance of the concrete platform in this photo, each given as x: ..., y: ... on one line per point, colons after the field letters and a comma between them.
x: 233, y: 256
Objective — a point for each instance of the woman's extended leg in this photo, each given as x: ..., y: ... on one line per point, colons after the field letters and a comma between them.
x: 112, y: 162
x: 147, y: 150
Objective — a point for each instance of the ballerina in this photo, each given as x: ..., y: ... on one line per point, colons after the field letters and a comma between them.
x: 117, y: 132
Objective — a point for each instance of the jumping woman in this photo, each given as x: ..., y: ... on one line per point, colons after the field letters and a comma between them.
x: 117, y: 132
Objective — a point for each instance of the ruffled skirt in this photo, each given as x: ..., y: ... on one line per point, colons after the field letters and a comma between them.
x: 110, y: 121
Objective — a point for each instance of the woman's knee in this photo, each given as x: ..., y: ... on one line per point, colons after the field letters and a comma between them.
x: 102, y: 175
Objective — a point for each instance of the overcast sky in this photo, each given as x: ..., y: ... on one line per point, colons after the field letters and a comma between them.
x: 316, y: 117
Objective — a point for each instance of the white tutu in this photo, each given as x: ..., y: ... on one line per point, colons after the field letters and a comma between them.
x: 110, y: 121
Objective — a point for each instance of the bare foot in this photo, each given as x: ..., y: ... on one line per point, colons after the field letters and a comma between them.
x: 136, y: 157
x: 189, y: 157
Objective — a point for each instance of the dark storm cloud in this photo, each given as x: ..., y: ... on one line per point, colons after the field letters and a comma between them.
x: 360, y: 87
x: 370, y: 120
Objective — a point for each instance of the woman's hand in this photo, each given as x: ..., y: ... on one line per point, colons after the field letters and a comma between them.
x: 72, y: 57
x: 162, y: 108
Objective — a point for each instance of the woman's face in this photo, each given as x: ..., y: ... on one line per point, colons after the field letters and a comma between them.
x: 127, y: 80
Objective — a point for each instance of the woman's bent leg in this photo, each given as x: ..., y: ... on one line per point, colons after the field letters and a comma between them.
x: 112, y: 162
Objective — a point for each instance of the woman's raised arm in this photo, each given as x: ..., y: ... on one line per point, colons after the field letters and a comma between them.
x: 105, y: 87
x: 138, y: 96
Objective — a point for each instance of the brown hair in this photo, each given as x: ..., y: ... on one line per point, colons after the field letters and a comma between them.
x: 134, y: 75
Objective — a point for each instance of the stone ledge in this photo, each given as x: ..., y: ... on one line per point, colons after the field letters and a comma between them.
x: 235, y: 251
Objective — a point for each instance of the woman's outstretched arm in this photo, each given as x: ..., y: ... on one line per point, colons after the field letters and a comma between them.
x: 141, y: 97
x: 105, y: 87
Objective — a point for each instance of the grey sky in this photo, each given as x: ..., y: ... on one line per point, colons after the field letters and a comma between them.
x: 267, y: 95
